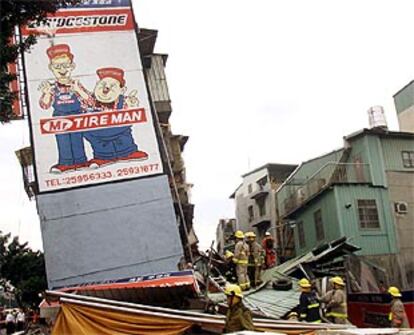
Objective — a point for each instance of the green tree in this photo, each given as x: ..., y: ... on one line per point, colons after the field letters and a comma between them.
x: 23, y: 268
x: 18, y: 13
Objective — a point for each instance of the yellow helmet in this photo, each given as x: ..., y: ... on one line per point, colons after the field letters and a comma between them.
x: 233, y: 290
x: 228, y: 254
x: 293, y: 315
x: 239, y: 234
x: 338, y: 280
x: 304, y: 283
x: 395, y: 292
x: 250, y: 234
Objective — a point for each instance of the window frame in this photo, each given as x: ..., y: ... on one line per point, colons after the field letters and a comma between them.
x: 250, y: 212
x: 261, y: 204
x: 318, y: 222
x: 301, y: 234
x: 364, y: 220
x: 408, y: 162
x: 249, y: 188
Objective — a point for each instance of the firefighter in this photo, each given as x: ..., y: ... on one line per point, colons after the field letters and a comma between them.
x: 238, y: 316
x: 335, y: 300
x: 397, y: 316
x: 256, y: 255
x: 268, y: 244
x: 308, y: 303
x: 241, y: 254
x: 230, y: 272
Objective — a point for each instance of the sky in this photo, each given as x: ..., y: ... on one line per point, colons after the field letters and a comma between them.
x: 254, y: 82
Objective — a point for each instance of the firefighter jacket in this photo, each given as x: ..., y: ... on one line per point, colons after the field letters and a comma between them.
x: 309, y: 307
x: 238, y: 318
x: 256, y: 253
x: 397, y: 316
x: 241, y: 253
x: 336, y: 305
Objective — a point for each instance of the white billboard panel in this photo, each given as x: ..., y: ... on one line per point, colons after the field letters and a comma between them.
x: 89, y: 109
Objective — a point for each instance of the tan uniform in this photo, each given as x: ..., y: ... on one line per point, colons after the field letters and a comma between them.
x: 398, y: 317
x: 241, y: 254
x: 336, y: 305
x: 256, y: 261
x: 238, y: 318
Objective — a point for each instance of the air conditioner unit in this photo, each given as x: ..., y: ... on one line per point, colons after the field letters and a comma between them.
x: 401, y: 207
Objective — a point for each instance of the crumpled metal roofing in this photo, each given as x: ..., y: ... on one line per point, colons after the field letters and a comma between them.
x: 267, y: 301
x: 277, y: 303
x: 273, y: 303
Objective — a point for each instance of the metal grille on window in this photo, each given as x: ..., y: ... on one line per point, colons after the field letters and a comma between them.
x: 368, y: 214
x: 408, y: 158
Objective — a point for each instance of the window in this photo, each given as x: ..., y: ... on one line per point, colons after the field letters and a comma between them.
x: 317, y: 217
x: 301, y: 233
x: 262, y: 206
x: 368, y: 214
x: 408, y: 159
x: 250, y: 188
x: 262, y: 182
x: 251, y: 213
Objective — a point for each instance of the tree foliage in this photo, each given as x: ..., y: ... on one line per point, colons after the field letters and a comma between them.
x: 23, y: 268
x: 18, y: 13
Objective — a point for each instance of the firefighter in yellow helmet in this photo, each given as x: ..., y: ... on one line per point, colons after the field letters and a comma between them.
x: 241, y: 254
x: 308, y: 303
x: 397, y: 316
x: 238, y: 316
x: 256, y: 259
x: 335, y: 300
x: 230, y: 272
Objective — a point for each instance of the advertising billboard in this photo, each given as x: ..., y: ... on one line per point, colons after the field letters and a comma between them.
x: 89, y: 109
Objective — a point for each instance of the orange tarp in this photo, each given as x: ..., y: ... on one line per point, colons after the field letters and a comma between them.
x: 78, y: 320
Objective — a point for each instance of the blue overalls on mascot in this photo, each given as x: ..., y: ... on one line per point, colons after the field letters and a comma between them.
x: 67, y: 97
x: 113, y: 144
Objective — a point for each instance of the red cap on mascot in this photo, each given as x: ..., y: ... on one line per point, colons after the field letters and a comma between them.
x: 59, y: 50
x: 112, y: 72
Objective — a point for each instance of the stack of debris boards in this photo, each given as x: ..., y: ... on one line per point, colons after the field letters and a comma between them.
x: 280, y: 293
x: 326, y: 260
x: 93, y: 316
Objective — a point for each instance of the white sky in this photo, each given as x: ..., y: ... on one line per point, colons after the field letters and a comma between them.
x: 253, y: 82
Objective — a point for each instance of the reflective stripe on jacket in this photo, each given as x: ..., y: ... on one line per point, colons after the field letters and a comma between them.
x: 398, y: 316
x: 241, y: 253
x: 309, y: 307
x: 336, y: 303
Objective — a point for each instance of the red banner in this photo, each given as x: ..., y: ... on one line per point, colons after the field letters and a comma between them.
x: 76, y: 21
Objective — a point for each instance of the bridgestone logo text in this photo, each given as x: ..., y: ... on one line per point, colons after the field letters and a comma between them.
x: 81, y: 21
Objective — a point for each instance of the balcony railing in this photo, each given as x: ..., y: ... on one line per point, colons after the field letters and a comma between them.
x: 331, y: 173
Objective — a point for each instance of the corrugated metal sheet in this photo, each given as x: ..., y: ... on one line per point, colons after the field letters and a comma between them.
x: 404, y: 98
x: 273, y: 303
x: 373, y: 241
x: 326, y: 204
x: 157, y: 80
x: 392, y: 152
